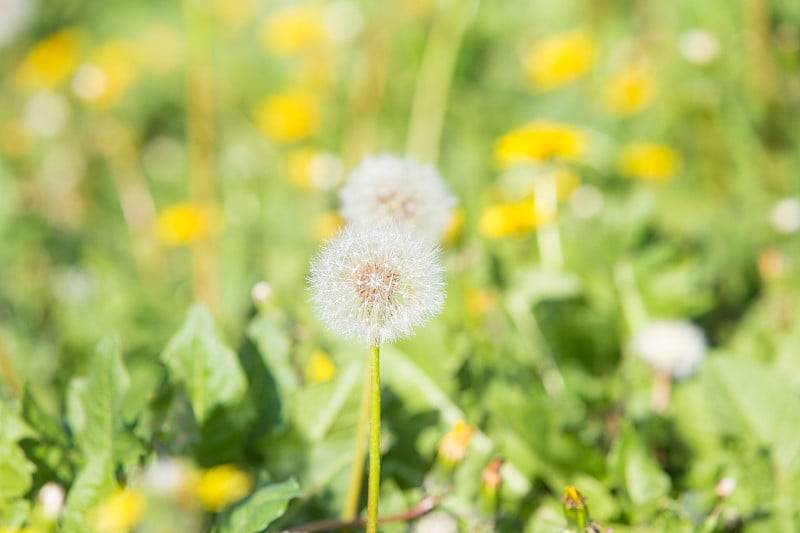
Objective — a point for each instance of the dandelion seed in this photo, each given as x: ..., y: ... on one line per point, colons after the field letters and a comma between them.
x: 390, y: 189
x: 375, y: 284
x: 671, y: 347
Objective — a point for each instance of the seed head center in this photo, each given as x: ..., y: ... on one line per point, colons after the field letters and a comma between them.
x: 375, y: 281
x: 397, y: 203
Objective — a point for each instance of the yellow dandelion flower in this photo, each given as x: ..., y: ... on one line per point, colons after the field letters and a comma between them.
x: 185, y: 223
x: 540, y: 142
x: 327, y: 225
x: 220, y: 486
x: 630, y: 91
x: 560, y: 59
x: 455, y: 226
x: 293, y: 29
x: 50, y: 61
x: 319, y: 368
x: 453, y: 446
x: 118, y: 513
x: 510, y: 219
x: 288, y: 117
x: 649, y: 161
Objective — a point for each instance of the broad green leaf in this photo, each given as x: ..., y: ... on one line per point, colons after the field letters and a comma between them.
x: 12, y: 427
x: 274, y: 345
x: 644, y: 479
x: 266, y: 504
x: 753, y: 402
x: 96, y: 400
x: 316, y: 407
x: 94, y: 482
x: 208, y: 368
x: 15, y: 471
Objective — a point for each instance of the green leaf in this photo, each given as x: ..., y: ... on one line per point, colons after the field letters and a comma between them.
x: 753, y: 402
x: 12, y: 427
x: 266, y: 504
x: 208, y: 368
x: 93, y: 483
x: 644, y: 479
x: 95, y: 402
x: 15, y: 472
x: 274, y: 346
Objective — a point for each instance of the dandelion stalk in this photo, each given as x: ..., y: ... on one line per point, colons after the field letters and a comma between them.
x: 374, y: 485
x: 200, y: 126
x: 435, y: 75
x: 545, y: 203
x: 375, y: 283
x: 353, y: 496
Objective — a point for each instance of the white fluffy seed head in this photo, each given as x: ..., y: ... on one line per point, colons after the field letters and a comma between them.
x: 673, y: 347
x: 374, y: 284
x: 390, y: 189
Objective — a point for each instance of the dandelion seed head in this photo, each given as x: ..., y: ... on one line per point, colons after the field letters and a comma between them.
x: 376, y: 283
x: 390, y: 189
x: 672, y: 347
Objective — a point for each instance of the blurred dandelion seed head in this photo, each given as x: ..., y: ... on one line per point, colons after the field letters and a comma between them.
x: 672, y: 347
x: 390, y: 189
x: 785, y: 215
x: 699, y: 46
x: 376, y: 283
x: 261, y: 292
x: 46, y: 114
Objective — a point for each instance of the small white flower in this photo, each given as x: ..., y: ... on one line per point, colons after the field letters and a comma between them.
x: 376, y: 283
x: 672, y: 347
x: 387, y: 188
x: 261, y: 292
x: 785, y: 215
x: 51, y: 499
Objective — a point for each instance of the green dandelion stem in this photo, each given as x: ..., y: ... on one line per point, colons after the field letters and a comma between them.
x: 374, y: 485
x: 435, y: 76
x: 545, y: 202
x: 359, y: 451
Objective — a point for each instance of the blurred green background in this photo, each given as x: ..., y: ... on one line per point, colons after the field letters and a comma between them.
x: 154, y: 154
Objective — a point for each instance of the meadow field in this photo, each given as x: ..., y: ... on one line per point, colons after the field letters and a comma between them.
x: 534, y: 262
